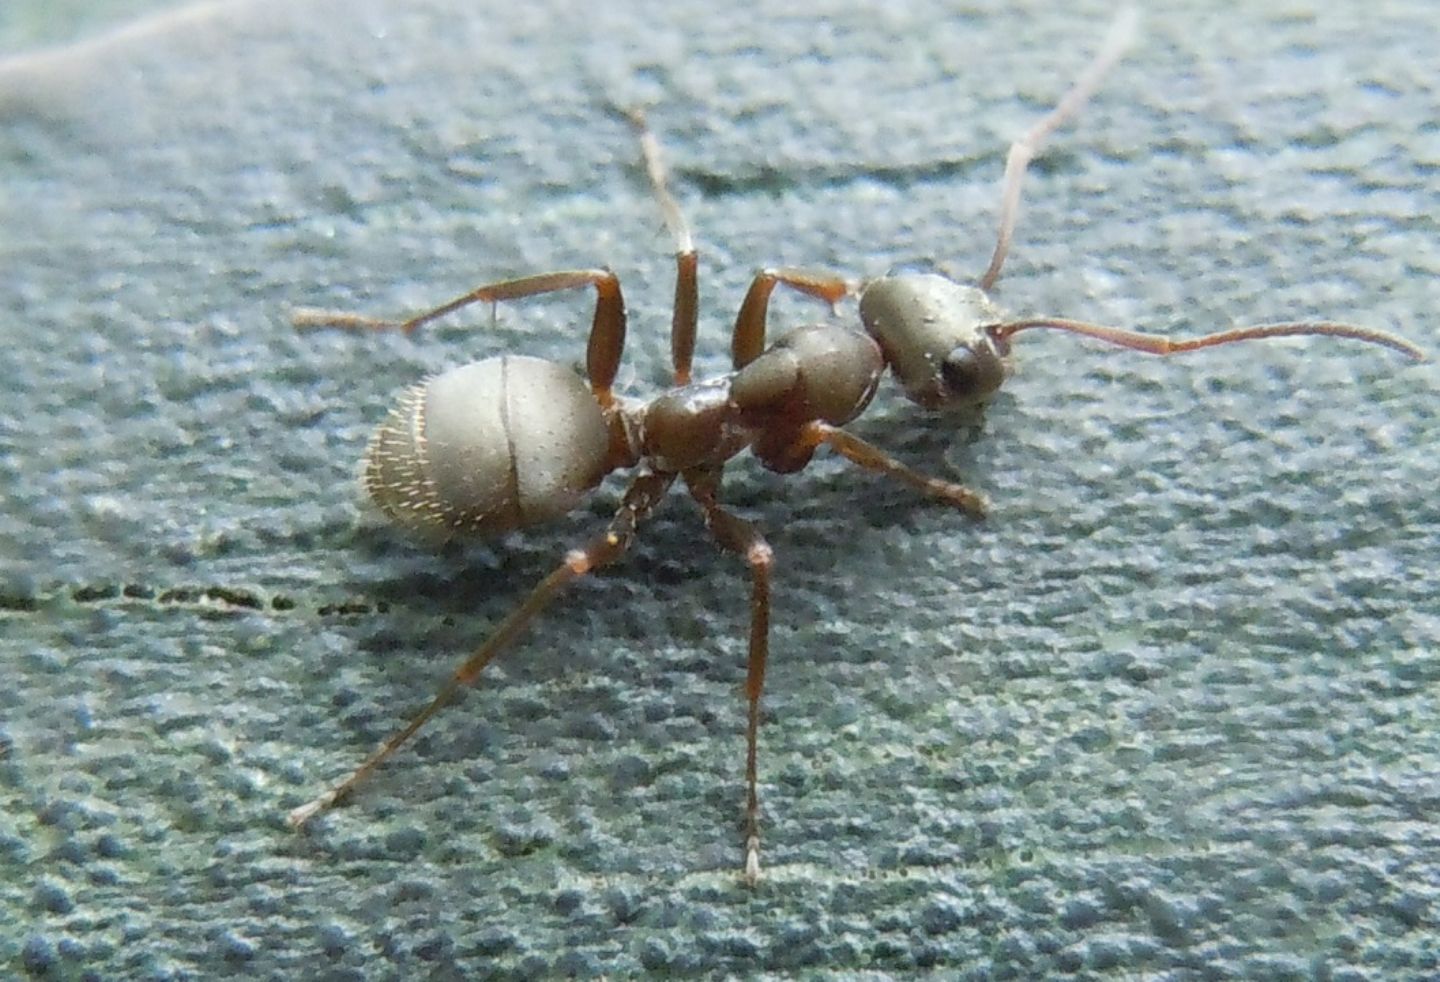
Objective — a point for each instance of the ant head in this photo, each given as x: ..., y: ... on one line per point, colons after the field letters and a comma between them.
x: 937, y: 337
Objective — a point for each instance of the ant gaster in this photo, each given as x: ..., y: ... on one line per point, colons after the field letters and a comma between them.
x: 511, y: 441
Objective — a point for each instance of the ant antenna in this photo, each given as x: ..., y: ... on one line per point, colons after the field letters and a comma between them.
x: 1155, y: 344
x: 1023, y: 150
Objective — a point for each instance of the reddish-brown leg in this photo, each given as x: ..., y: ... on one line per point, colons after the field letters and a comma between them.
x: 749, y: 337
x: 1023, y: 150
x: 607, y: 329
x: 871, y: 457
x: 644, y: 493
x: 736, y: 535
x: 684, y: 320
x: 748, y: 341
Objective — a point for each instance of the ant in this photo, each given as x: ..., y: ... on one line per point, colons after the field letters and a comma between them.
x: 513, y: 440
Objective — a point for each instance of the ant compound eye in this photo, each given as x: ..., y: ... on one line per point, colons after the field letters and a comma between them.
x: 971, y: 375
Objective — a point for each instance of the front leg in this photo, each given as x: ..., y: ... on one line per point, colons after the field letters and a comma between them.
x: 748, y: 340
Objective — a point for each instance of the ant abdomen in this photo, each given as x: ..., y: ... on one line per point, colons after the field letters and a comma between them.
x: 487, y: 447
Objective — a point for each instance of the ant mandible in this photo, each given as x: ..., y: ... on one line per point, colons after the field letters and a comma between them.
x: 514, y: 440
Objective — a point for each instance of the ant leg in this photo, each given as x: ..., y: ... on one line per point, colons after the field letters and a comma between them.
x: 607, y: 330
x: 749, y: 336
x: 687, y: 300
x: 1023, y: 150
x: 871, y: 457
x: 736, y: 535
x: 748, y: 340
x: 640, y: 499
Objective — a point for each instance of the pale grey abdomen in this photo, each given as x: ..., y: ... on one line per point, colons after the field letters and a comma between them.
x: 487, y: 447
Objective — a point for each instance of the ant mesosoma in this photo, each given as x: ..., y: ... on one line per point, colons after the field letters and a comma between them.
x: 514, y: 440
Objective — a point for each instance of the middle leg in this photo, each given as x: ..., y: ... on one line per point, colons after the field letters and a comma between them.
x: 736, y: 535
x: 685, y: 318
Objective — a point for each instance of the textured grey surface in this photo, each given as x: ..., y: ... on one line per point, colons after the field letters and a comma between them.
x: 1171, y: 709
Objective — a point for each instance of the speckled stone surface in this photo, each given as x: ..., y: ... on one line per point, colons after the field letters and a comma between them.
x: 1172, y: 709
